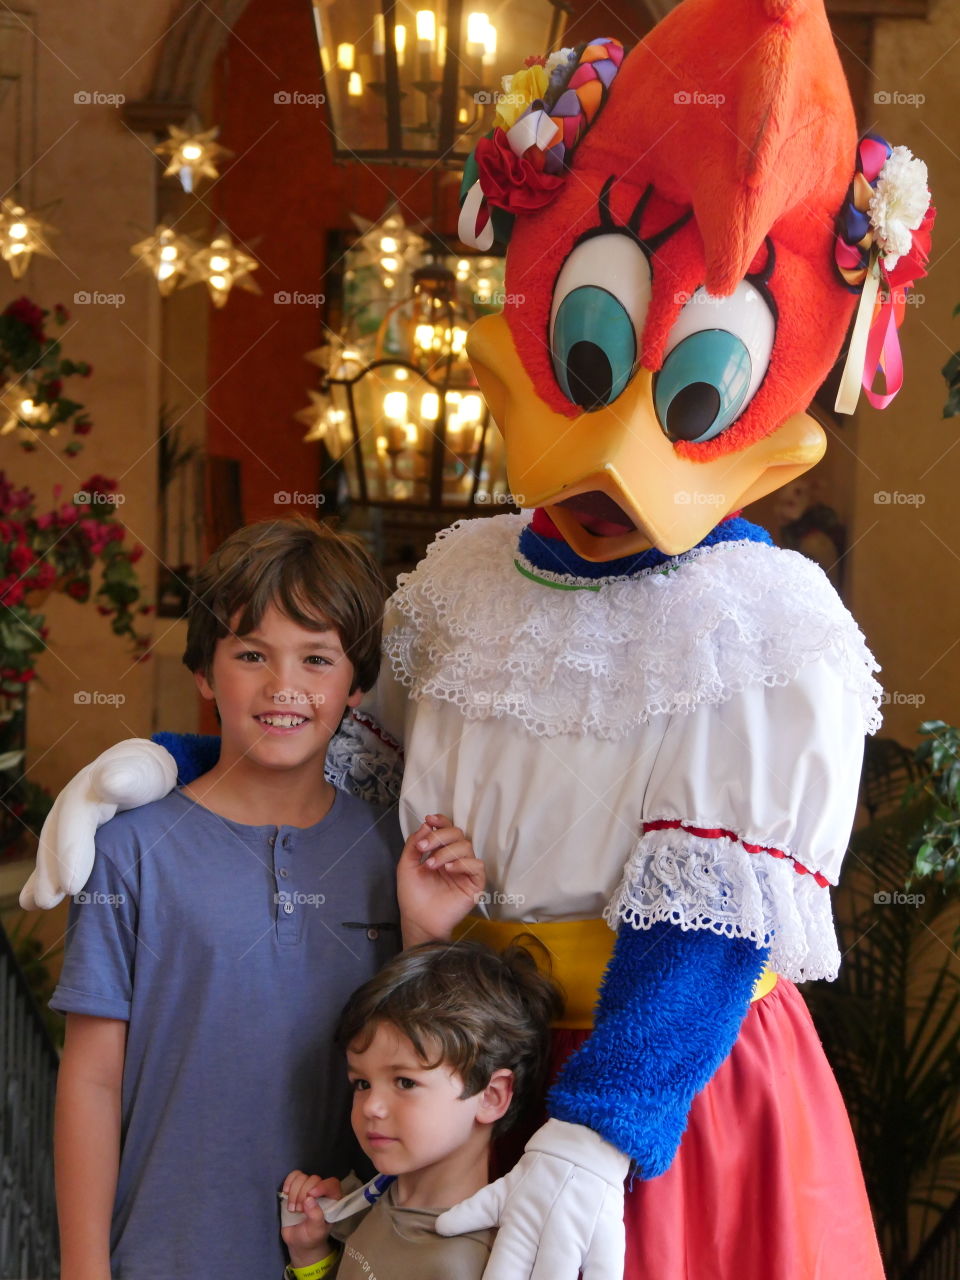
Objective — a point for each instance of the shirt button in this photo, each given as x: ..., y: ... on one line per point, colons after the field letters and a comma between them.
x: 272, y: 841
x: 283, y: 873
x: 288, y: 908
x: 373, y: 934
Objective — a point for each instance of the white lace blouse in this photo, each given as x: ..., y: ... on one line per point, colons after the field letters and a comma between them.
x: 680, y: 745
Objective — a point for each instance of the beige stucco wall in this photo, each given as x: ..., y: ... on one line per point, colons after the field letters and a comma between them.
x: 905, y: 569
x: 104, y: 178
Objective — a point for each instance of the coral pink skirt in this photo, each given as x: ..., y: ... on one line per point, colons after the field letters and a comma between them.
x: 766, y: 1184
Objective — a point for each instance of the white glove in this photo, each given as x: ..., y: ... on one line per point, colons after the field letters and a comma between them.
x: 560, y: 1209
x: 126, y: 776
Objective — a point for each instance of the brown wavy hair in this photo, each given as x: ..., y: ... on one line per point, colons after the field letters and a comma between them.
x: 467, y: 1007
x: 317, y: 577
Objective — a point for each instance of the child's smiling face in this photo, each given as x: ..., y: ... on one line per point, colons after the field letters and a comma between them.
x: 409, y: 1117
x: 280, y: 692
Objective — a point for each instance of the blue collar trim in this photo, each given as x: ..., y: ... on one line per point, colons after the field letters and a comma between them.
x: 552, y: 555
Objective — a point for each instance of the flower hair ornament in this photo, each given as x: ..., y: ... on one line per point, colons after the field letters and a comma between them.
x: 542, y: 114
x: 882, y: 246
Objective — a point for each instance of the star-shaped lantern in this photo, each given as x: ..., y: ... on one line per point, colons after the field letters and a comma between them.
x: 388, y: 244
x: 166, y: 254
x: 221, y: 265
x: 192, y: 155
x: 21, y: 236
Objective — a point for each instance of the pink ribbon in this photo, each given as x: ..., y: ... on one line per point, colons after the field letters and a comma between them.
x: 883, y: 353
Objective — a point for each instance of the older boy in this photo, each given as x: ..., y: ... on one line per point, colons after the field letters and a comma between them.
x: 221, y: 930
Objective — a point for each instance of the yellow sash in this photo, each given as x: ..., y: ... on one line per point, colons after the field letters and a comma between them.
x: 579, y: 952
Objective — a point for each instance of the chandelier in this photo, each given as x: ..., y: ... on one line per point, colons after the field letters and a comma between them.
x: 398, y: 404
x: 416, y: 84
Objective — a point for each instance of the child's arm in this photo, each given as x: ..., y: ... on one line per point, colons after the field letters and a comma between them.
x: 87, y: 1142
x: 439, y: 880
x: 308, y: 1242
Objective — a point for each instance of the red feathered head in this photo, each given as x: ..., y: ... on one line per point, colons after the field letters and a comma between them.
x: 672, y: 303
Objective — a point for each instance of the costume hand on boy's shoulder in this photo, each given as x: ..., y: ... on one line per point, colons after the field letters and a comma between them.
x: 560, y: 1210
x: 439, y: 880
x: 124, y: 776
x: 306, y: 1238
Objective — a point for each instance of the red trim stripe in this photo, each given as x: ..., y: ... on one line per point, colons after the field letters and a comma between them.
x: 717, y: 833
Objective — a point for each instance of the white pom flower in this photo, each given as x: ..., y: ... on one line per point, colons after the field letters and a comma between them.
x: 557, y: 58
x: 898, y: 204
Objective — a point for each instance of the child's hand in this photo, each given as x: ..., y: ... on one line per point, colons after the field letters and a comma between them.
x: 439, y: 878
x: 307, y: 1242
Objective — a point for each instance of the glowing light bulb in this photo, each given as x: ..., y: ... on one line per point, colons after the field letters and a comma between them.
x: 345, y: 57
x: 395, y: 405
x: 430, y: 406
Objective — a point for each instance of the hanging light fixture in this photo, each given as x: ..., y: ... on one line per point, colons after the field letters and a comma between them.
x: 192, y: 154
x: 167, y: 255
x: 415, y: 83
x: 221, y: 266
x: 21, y: 236
x: 398, y: 402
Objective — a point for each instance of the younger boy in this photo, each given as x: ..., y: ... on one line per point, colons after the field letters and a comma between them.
x: 221, y: 930
x: 444, y: 1047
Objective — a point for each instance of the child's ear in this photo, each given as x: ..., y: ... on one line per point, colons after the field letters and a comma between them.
x: 355, y: 698
x: 204, y: 685
x: 497, y: 1097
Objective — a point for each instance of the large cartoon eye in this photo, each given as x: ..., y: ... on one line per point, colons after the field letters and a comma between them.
x: 599, y: 306
x: 716, y: 356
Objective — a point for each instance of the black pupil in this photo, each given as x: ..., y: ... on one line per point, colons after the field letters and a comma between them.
x: 692, y: 411
x: 589, y: 375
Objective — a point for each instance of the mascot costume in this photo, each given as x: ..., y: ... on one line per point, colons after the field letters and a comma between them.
x: 649, y: 719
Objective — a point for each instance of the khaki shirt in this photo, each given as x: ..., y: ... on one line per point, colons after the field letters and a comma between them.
x: 388, y: 1242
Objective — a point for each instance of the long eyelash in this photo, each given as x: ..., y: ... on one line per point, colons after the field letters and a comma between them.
x: 608, y: 223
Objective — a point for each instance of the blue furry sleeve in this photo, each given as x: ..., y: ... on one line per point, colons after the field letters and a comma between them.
x: 195, y: 753
x: 670, y: 1008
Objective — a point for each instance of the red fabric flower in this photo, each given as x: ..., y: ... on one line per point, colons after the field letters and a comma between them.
x: 913, y: 265
x: 510, y: 181
x: 79, y: 590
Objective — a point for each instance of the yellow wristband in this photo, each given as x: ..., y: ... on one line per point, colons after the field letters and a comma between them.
x: 316, y: 1270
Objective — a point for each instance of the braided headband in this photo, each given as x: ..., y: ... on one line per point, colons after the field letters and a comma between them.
x: 882, y: 246
x: 520, y: 165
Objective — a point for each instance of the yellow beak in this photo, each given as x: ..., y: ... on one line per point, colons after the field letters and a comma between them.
x: 621, y: 452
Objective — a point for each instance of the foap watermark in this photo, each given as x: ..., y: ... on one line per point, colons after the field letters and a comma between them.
x: 499, y: 299
x: 96, y: 698
x: 498, y: 899
x: 894, y: 498
x: 294, y: 98
x: 289, y: 899
x: 94, y: 298
x: 94, y: 898
x: 498, y: 499
x: 297, y: 698
x: 894, y: 898
x: 895, y: 698
x: 894, y: 98
x: 94, y: 98
x: 694, y: 98
x: 96, y: 498
x: 694, y: 498
x: 497, y: 98
x: 298, y: 498
x: 284, y: 298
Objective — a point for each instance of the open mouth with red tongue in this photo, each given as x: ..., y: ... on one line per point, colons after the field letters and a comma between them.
x: 598, y: 514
